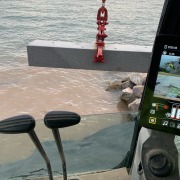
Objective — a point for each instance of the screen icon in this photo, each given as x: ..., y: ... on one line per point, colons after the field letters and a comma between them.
x: 172, y: 54
x: 178, y: 126
x: 168, y: 115
x: 175, y: 111
x: 158, y: 106
x: 178, y: 113
x: 165, y: 123
x: 164, y: 52
x: 172, y: 125
x: 152, y: 120
x: 152, y: 111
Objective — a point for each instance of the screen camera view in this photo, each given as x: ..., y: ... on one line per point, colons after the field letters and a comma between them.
x: 165, y: 106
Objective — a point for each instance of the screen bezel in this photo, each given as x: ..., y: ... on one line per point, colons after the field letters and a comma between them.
x: 160, y: 41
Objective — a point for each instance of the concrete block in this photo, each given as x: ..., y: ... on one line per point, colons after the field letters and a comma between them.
x: 57, y: 54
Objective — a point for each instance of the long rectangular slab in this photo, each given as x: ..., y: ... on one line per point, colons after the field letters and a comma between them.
x: 58, y: 54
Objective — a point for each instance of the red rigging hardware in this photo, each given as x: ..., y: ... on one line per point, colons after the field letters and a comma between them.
x: 102, y: 17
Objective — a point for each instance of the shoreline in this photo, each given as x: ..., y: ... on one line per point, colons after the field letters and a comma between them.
x: 35, y: 91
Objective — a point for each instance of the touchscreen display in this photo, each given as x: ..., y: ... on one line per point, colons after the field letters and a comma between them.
x: 161, y: 108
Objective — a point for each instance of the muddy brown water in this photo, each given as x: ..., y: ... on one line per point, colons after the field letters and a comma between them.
x: 35, y: 91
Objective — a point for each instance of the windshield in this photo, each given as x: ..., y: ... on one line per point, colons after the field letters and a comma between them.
x: 100, y: 142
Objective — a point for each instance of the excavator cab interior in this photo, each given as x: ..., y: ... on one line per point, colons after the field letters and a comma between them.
x: 156, y: 154
x: 154, y: 149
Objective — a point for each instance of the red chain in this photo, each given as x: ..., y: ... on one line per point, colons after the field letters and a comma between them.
x: 102, y: 17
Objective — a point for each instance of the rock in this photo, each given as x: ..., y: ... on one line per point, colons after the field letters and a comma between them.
x: 134, y: 106
x: 127, y: 95
x: 132, y: 88
x: 127, y: 84
x: 144, y: 80
x: 138, y: 79
x: 125, y: 79
x: 120, y: 85
x: 138, y: 90
x: 114, y: 85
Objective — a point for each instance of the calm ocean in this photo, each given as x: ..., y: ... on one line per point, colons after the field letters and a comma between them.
x: 130, y: 22
x: 26, y: 89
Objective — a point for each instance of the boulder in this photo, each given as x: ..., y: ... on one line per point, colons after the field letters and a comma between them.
x: 134, y: 106
x: 138, y: 79
x: 144, y: 80
x: 131, y: 87
x: 119, y: 85
x: 138, y: 90
x: 127, y: 78
x: 114, y: 85
x: 127, y: 95
x: 127, y: 84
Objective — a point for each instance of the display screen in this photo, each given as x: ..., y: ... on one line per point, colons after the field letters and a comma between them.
x: 161, y: 104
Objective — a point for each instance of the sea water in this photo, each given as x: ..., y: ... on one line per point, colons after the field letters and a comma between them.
x: 35, y: 90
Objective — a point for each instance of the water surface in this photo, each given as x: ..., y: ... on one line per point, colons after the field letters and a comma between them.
x: 31, y: 90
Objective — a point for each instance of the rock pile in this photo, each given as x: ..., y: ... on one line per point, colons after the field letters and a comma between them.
x: 131, y: 89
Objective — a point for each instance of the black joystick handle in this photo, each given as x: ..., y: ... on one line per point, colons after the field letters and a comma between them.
x: 25, y: 124
x: 60, y: 119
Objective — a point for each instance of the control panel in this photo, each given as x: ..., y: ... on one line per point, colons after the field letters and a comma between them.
x: 160, y: 109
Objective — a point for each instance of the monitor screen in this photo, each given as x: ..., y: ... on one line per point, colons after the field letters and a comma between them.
x: 161, y: 104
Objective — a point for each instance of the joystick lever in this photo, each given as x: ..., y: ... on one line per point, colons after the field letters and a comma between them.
x: 60, y: 119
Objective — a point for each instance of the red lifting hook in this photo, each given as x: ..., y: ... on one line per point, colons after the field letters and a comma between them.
x: 102, y: 17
